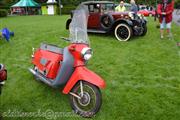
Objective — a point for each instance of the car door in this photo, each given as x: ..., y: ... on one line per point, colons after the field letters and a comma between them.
x: 94, y: 16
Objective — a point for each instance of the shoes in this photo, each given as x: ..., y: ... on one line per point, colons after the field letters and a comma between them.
x: 162, y: 36
x: 170, y: 36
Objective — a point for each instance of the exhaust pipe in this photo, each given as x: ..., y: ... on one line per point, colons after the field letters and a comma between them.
x: 40, y: 77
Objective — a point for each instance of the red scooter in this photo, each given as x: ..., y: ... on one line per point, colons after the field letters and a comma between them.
x: 3, y: 76
x: 67, y: 67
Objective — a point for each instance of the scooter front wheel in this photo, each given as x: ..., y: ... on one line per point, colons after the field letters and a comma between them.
x: 89, y: 101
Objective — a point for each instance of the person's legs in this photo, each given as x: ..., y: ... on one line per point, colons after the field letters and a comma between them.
x: 162, y: 27
x: 169, y: 30
x: 162, y: 32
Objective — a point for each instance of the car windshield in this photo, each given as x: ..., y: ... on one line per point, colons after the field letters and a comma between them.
x: 78, y: 26
x: 107, y: 7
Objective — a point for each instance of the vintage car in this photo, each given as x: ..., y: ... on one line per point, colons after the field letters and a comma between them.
x: 104, y: 19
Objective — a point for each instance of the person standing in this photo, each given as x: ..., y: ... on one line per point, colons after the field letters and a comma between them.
x: 120, y: 7
x: 165, y: 9
x: 134, y: 7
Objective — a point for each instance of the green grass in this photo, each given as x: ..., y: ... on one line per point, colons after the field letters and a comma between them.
x: 142, y: 75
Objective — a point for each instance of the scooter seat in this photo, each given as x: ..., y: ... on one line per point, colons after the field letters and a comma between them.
x: 51, y: 48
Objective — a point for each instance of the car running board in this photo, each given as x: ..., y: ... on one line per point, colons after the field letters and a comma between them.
x: 96, y: 31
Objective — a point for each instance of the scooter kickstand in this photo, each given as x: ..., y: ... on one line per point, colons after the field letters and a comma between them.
x: 73, y: 94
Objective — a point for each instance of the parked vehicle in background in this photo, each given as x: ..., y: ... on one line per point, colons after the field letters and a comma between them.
x: 104, y: 19
x: 3, y: 76
x: 146, y: 11
x: 176, y: 15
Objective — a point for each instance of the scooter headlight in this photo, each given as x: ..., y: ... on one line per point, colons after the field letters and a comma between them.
x: 86, y: 53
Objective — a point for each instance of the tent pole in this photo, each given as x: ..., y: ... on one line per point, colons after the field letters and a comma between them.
x: 60, y: 6
x: 27, y: 13
x: 26, y: 10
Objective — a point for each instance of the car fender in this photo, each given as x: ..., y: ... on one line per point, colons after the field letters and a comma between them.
x: 68, y: 23
x: 82, y: 73
x: 145, y: 20
x: 130, y: 23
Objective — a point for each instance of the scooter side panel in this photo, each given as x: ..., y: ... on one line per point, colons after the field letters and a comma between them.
x: 66, y: 70
x: 47, y: 62
x: 82, y: 73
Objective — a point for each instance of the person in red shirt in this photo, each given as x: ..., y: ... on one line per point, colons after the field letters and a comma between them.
x: 165, y: 10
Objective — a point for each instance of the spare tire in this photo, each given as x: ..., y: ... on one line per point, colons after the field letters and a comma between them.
x: 106, y: 21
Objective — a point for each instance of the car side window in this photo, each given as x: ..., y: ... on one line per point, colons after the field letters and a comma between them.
x: 94, y: 8
x: 91, y: 8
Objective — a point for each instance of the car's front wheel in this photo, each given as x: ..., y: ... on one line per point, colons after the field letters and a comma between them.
x: 123, y: 32
x: 89, y: 101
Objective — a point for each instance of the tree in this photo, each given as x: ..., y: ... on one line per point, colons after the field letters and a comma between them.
x: 41, y: 1
x: 76, y: 2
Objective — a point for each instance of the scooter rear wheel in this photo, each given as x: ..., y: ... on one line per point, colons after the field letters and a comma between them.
x: 90, y: 102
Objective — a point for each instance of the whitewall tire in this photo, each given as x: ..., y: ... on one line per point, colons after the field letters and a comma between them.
x: 123, y: 32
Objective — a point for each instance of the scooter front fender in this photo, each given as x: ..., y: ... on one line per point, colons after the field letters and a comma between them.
x: 82, y: 73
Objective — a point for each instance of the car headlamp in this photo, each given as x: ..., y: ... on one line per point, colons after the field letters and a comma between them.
x: 86, y: 53
x: 141, y: 16
x: 131, y: 15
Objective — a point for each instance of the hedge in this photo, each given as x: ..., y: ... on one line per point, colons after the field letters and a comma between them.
x: 3, y: 13
x: 177, y: 5
x: 68, y: 9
